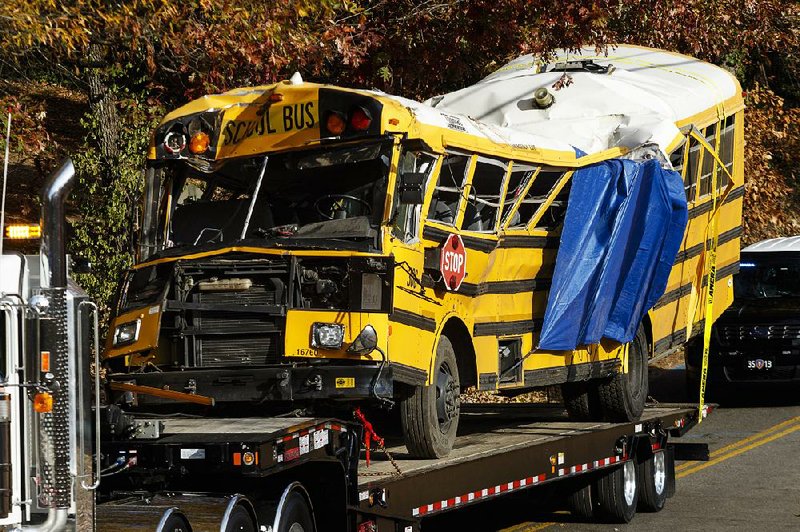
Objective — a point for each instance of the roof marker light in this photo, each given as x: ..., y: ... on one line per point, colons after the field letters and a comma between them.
x: 174, y: 142
x: 199, y: 142
x: 360, y: 119
x: 335, y: 123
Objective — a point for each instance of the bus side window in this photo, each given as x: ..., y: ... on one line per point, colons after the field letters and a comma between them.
x: 518, y: 181
x: 405, y: 218
x: 544, y: 186
x: 483, y: 198
x: 449, y: 189
x: 707, y: 166
x: 726, y: 141
x: 690, y: 173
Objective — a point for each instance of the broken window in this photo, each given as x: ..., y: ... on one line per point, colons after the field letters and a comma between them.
x: 518, y: 180
x: 449, y: 189
x: 480, y: 213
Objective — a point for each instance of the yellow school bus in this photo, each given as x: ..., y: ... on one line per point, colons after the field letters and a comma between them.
x: 306, y: 244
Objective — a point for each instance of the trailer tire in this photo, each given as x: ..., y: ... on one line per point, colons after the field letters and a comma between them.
x: 429, y: 415
x: 295, y: 515
x: 617, y: 494
x: 580, y: 501
x: 581, y: 400
x: 240, y: 521
x: 174, y: 522
x: 624, y: 395
x: 653, y: 480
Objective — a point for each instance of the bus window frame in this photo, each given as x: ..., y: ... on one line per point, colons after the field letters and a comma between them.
x: 518, y: 201
x: 428, y: 189
x: 554, y: 191
x: 458, y: 215
x: 468, y: 186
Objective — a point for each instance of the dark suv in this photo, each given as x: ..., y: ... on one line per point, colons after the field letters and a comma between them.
x: 758, y: 338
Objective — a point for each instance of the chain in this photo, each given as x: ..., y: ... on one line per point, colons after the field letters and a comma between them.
x: 371, y: 436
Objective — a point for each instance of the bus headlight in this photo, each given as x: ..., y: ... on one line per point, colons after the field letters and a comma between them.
x: 327, y: 335
x: 127, y: 333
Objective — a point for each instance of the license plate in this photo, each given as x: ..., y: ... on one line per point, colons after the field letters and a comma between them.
x: 759, y: 364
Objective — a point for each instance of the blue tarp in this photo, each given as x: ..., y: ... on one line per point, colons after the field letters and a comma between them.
x: 623, y: 228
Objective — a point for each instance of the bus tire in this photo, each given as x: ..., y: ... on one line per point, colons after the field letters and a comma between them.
x: 623, y: 396
x: 295, y: 515
x: 617, y: 494
x: 653, y: 480
x: 580, y: 501
x: 429, y: 415
x: 581, y: 401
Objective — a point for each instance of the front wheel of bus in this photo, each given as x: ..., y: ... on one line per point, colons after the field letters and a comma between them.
x: 430, y: 413
x: 623, y: 396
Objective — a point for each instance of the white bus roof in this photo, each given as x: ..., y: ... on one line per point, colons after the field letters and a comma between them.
x: 786, y: 243
x: 639, y: 99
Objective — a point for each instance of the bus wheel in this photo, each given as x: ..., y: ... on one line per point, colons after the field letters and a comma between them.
x: 623, y: 396
x: 295, y: 515
x: 581, y: 400
x: 617, y: 493
x: 653, y: 478
x: 430, y: 413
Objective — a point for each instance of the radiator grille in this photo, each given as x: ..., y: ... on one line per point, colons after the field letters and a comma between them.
x: 231, y: 338
x: 731, y: 333
x: 238, y: 351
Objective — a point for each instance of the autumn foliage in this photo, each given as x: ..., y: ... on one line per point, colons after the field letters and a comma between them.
x: 89, y: 78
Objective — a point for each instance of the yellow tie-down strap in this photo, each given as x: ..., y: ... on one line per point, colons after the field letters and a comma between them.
x: 709, y: 256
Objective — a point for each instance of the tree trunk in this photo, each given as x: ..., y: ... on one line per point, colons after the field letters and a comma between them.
x: 103, y: 106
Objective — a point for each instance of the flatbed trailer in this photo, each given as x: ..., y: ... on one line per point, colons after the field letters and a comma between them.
x: 501, y: 448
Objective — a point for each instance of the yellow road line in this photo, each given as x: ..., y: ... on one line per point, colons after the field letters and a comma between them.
x: 737, y: 452
x: 719, y: 455
x: 744, y: 441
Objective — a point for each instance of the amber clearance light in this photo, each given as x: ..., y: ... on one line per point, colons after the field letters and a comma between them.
x: 199, y: 142
x: 23, y: 231
x: 335, y: 123
x: 43, y: 403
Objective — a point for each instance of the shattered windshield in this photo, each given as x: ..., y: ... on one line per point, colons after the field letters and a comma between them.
x: 322, y: 193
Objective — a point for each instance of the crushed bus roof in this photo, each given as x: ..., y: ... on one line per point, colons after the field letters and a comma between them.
x: 631, y: 96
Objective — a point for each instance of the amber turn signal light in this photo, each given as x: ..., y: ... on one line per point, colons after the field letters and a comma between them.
x: 199, y: 142
x: 335, y: 123
x: 23, y: 231
x: 43, y: 403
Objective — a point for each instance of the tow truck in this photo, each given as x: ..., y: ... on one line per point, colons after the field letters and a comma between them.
x: 69, y: 462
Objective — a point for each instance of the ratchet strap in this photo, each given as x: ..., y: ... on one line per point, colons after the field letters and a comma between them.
x: 708, y: 258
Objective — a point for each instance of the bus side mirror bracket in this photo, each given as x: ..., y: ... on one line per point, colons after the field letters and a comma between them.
x: 410, y: 188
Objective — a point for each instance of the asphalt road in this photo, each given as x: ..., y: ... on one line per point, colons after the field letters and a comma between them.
x: 751, y: 482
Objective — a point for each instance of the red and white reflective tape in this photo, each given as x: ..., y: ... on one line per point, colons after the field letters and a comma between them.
x: 309, y: 440
x: 486, y: 493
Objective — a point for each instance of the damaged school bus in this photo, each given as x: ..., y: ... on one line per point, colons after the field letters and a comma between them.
x: 304, y: 243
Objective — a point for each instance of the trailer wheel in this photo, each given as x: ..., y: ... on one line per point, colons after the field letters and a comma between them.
x: 580, y: 501
x: 623, y: 396
x: 173, y: 521
x: 581, y: 401
x: 295, y: 515
x: 240, y: 521
x: 430, y: 414
x: 653, y: 479
x: 617, y: 494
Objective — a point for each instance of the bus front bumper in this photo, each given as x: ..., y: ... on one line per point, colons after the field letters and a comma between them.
x: 278, y: 383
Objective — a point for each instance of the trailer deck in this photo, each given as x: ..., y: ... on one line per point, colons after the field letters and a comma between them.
x: 503, y: 448
x: 500, y: 448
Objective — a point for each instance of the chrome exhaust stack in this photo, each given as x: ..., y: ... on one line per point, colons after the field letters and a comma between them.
x: 54, y: 373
